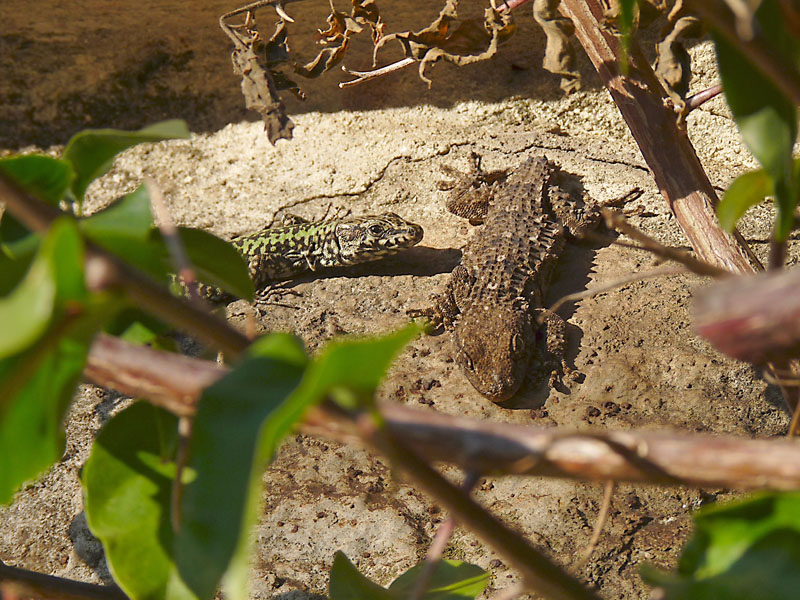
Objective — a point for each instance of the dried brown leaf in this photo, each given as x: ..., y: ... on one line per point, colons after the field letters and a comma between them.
x: 466, y: 43
x: 559, y: 55
x: 336, y: 38
x: 256, y: 63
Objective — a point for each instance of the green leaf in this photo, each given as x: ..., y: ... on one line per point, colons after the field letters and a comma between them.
x: 747, y: 549
x: 12, y: 271
x: 26, y: 311
x: 347, y: 583
x: 45, y: 177
x: 452, y: 580
x: 244, y: 411
x: 127, y: 484
x: 745, y: 191
x: 217, y: 262
x: 355, y: 364
x: 92, y: 151
x: 56, y: 273
x: 766, y: 119
x: 37, y: 387
x: 138, y: 327
x: 125, y: 228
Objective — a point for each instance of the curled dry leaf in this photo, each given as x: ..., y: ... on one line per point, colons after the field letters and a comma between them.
x: 674, y: 65
x: 461, y: 44
x: 336, y: 38
x: 256, y: 63
x: 559, y: 55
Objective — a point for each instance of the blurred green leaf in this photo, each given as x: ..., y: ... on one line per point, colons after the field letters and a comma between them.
x: 347, y: 583
x: 37, y: 383
x: 91, y: 152
x: 766, y: 119
x: 127, y: 484
x: 355, y: 364
x: 128, y: 217
x: 55, y: 274
x: 138, y: 327
x: 26, y: 311
x: 452, y: 580
x: 221, y: 505
x: 745, y: 191
x: 12, y: 271
x: 126, y: 229
x: 217, y: 262
x: 42, y: 176
x: 36, y: 387
x: 747, y: 549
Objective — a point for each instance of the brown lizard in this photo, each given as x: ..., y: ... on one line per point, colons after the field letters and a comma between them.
x: 493, y: 302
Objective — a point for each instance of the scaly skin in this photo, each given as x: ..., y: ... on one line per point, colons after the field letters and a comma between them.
x: 493, y: 302
x: 283, y: 252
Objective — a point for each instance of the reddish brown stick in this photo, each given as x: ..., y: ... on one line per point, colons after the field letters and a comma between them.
x: 666, y: 148
x: 646, y: 457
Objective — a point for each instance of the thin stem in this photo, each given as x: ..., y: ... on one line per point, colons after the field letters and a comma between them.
x: 697, y: 100
x: 538, y: 572
x: 616, y: 221
x: 362, y: 76
x: 443, y: 535
x: 602, y: 517
x: 30, y: 583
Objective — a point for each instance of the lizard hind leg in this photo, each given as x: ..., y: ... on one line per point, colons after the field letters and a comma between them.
x: 551, y: 348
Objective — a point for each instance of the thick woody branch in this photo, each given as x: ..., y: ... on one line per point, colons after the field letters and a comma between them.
x: 666, y: 148
x: 645, y: 457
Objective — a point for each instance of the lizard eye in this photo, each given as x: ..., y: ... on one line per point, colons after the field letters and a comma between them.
x: 517, y: 343
x: 468, y: 361
x: 375, y: 230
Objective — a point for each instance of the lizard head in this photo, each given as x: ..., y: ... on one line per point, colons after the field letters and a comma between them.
x: 363, y: 239
x: 493, y: 349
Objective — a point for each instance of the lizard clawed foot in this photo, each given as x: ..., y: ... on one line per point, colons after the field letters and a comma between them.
x: 270, y: 296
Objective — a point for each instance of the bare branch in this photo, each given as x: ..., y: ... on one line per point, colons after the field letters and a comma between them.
x: 176, y: 382
x: 363, y: 76
x: 538, y: 572
x: 24, y: 583
x: 665, y: 147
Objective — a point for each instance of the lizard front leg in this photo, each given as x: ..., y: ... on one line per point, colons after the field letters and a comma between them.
x: 447, y: 306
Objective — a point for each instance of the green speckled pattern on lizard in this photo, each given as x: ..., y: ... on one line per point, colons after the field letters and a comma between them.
x: 282, y: 252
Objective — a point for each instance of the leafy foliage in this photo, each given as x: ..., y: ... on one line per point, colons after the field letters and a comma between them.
x: 452, y: 580
x: 747, y: 549
x: 49, y: 320
x: 91, y: 152
x: 239, y: 423
x: 128, y: 480
x: 47, y: 315
x: 766, y: 119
